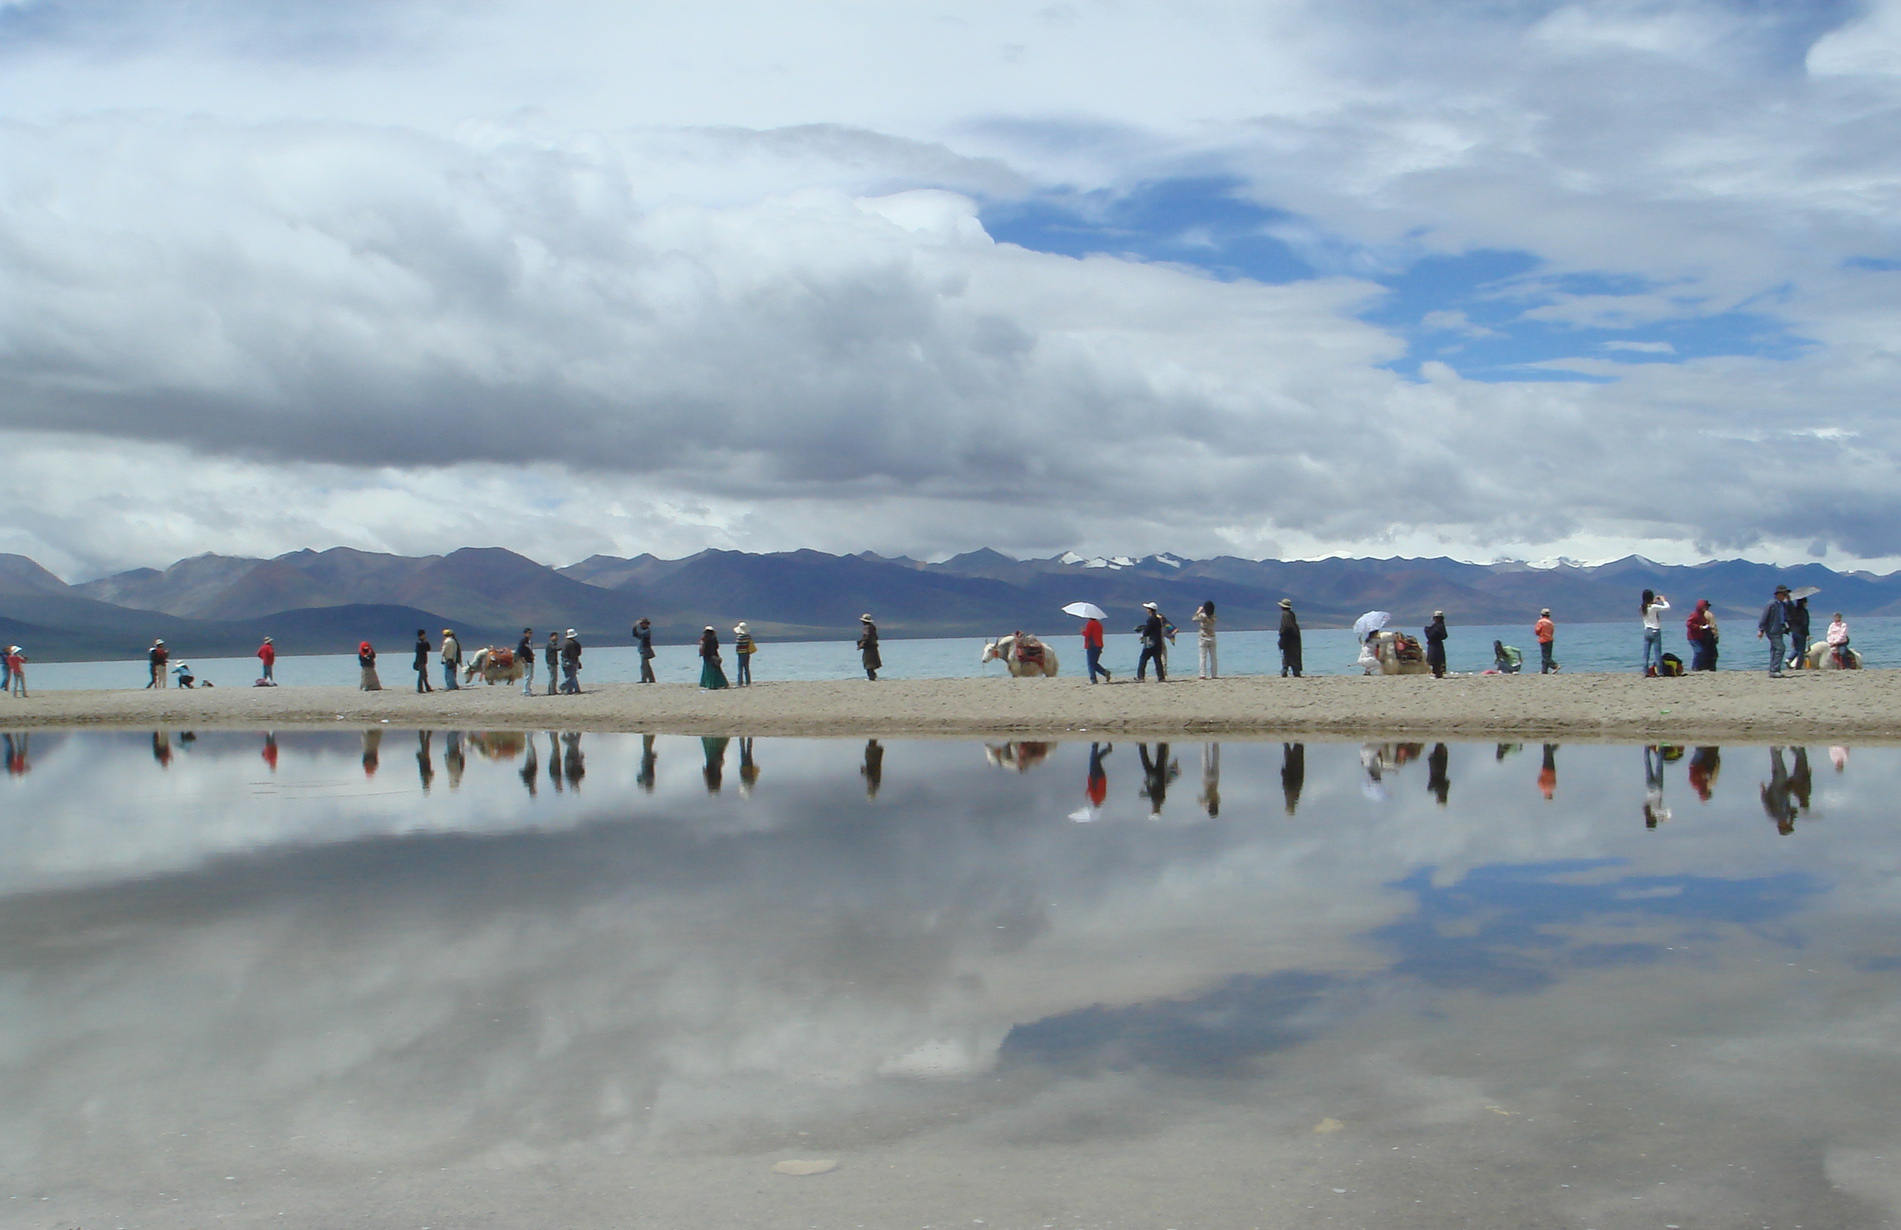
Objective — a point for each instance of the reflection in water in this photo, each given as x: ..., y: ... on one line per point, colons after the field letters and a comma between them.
x: 162, y: 748
x: 713, y: 748
x: 507, y: 996
x: 16, y: 753
x: 1017, y: 754
x: 425, y: 762
x: 454, y: 760
x: 1548, y: 772
x: 1655, y: 812
x: 372, y: 750
x: 270, y: 750
x: 1157, y: 773
x: 1210, y: 798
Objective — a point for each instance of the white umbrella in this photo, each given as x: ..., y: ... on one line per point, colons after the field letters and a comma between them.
x: 1370, y: 622
x: 1805, y: 591
x: 1085, y: 610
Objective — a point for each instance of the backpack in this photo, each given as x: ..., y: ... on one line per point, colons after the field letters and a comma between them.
x: 1671, y: 669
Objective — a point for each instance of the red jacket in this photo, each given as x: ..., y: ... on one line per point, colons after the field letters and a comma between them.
x: 1092, y: 634
x: 267, y: 654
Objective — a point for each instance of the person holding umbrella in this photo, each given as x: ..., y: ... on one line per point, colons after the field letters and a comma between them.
x: 1092, y: 617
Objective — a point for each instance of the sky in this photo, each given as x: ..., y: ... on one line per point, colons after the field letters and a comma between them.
x: 1481, y: 278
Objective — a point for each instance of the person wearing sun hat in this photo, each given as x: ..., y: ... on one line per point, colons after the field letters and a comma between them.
x: 156, y: 657
x: 1289, y: 639
x: 743, y: 648
x: 1436, y: 644
x: 712, y: 674
x: 571, y: 664
x: 1774, y: 624
x: 868, y: 647
x: 16, y: 669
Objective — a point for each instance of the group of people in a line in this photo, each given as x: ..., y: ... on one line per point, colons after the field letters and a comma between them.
x: 1156, y: 633
x: 1784, y: 624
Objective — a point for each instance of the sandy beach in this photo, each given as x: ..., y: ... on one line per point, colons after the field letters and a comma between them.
x: 1729, y: 706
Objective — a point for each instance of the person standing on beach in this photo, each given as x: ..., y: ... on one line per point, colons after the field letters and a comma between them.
x: 6, y: 667
x: 1092, y: 649
x: 367, y: 680
x: 552, y: 657
x: 1152, y: 633
x: 571, y: 664
x: 643, y: 640
x: 267, y: 654
x: 1653, y: 606
x: 1436, y: 644
x: 1289, y: 639
x: 868, y: 648
x: 423, y: 651
x: 712, y: 674
x: 525, y: 654
x: 1700, y: 629
x: 451, y: 659
x: 1204, y: 618
x: 1547, y: 634
x: 743, y: 648
x: 1799, y: 632
x: 1774, y: 624
x: 16, y: 671
x: 156, y: 657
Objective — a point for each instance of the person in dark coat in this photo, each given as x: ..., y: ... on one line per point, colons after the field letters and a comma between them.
x: 1774, y: 624
x: 1289, y: 639
x: 1436, y: 644
x: 712, y: 674
x: 1799, y: 632
x: 571, y: 664
x: 423, y: 651
x: 552, y: 657
x: 1153, y: 632
x: 868, y: 648
x: 643, y: 641
x: 525, y: 654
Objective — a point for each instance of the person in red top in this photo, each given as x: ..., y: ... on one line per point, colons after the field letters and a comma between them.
x: 1546, y: 632
x: 267, y: 654
x: 16, y: 668
x: 1092, y: 649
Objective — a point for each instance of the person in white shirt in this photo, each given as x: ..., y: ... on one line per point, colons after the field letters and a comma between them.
x: 1654, y: 605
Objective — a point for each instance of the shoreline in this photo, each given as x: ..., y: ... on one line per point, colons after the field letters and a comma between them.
x: 1730, y: 706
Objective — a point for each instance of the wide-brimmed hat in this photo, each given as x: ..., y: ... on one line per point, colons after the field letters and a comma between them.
x: 709, y: 627
x: 570, y: 633
x: 1438, y: 614
x: 740, y: 628
x: 267, y: 640
x: 161, y: 640
x: 1150, y: 606
x: 865, y: 618
x: 1782, y: 589
x: 448, y: 632
x: 1288, y: 603
x: 1545, y: 614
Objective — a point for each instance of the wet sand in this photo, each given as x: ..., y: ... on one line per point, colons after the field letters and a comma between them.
x: 1727, y: 706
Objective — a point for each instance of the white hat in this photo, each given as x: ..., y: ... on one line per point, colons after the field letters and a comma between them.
x: 1438, y: 614
x: 865, y: 618
x: 570, y: 633
x: 1151, y: 606
x: 740, y: 628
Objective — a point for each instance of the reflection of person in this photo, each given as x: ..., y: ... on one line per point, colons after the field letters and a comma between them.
x: 267, y: 655
x: 1097, y: 789
x: 712, y: 674
x: 873, y: 768
x: 270, y: 750
x: 748, y: 768
x: 1436, y: 644
x: 643, y: 642
x: 1838, y: 756
x: 1437, y: 783
x: 451, y: 659
x: 422, y: 661
x: 530, y: 766
x: 713, y: 748
x: 1546, y: 634
x: 1706, y: 765
x: 648, y: 760
x: 573, y: 765
x: 1801, y: 780
x: 454, y: 760
x: 1204, y: 618
x: 1157, y: 773
x: 366, y: 661
x: 1548, y: 772
x: 1655, y: 812
x: 1293, y: 774
x: 425, y: 764
x: 868, y: 648
x: 1775, y: 794
x: 1211, y: 778
x: 554, y: 761
x: 162, y: 748
x: 1152, y: 632
x: 1289, y: 640
x: 1373, y: 763
x: 16, y: 752
x: 372, y: 750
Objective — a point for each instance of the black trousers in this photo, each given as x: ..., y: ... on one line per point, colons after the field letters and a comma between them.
x: 1151, y: 653
x: 1290, y: 656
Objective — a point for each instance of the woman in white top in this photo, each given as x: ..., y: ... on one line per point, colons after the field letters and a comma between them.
x: 1205, y: 639
x: 1654, y: 605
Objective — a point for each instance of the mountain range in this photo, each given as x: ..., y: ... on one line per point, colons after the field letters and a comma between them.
x: 327, y: 601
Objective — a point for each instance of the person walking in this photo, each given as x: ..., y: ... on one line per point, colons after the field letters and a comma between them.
x: 1774, y: 624
x: 451, y: 660
x: 571, y: 664
x: 16, y: 670
x: 1547, y: 634
x: 1653, y: 606
x: 366, y: 672
x: 868, y: 647
x: 525, y: 654
x: 1436, y: 644
x: 551, y: 656
x: 1092, y: 649
x: 743, y: 648
x: 1799, y: 633
x: 1204, y: 618
x: 156, y: 657
x: 643, y: 641
x: 712, y: 674
x: 423, y: 653
x: 1700, y: 629
x: 1289, y: 640
x: 1152, y: 635
x: 267, y: 654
